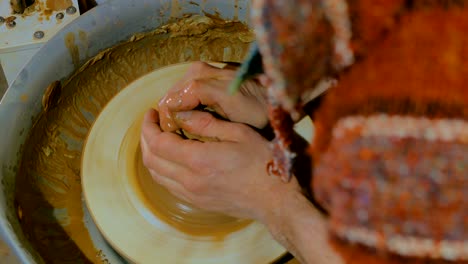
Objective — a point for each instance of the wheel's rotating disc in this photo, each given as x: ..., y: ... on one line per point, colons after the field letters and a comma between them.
x: 140, y: 219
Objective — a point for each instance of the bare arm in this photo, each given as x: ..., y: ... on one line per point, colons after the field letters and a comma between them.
x: 302, y: 229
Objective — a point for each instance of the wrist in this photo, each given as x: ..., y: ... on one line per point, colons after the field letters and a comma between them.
x: 290, y: 208
x: 301, y: 229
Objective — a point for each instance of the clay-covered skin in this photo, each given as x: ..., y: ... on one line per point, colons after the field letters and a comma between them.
x: 48, y: 193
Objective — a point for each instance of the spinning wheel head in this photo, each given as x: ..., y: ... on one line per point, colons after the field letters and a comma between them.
x: 139, y: 218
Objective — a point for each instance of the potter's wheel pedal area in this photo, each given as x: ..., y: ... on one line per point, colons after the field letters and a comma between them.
x: 133, y: 223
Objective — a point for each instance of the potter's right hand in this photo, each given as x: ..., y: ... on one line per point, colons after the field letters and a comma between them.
x: 230, y: 176
x: 207, y: 85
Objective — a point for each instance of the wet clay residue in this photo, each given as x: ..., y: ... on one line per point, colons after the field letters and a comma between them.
x: 58, y: 5
x: 48, y: 192
x: 45, y: 9
x: 73, y: 48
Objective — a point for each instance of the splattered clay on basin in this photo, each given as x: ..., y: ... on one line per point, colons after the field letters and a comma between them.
x: 48, y: 194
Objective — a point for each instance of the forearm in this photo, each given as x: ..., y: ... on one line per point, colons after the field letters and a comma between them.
x: 302, y: 230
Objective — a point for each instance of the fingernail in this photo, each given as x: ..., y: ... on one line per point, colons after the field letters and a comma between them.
x: 184, y: 116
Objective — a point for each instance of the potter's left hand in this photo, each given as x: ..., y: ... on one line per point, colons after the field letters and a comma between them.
x: 227, y: 176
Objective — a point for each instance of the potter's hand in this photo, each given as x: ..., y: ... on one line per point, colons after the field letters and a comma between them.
x: 228, y: 175
x: 207, y: 85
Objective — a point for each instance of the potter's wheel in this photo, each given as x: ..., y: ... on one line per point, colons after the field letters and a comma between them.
x: 140, y: 219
